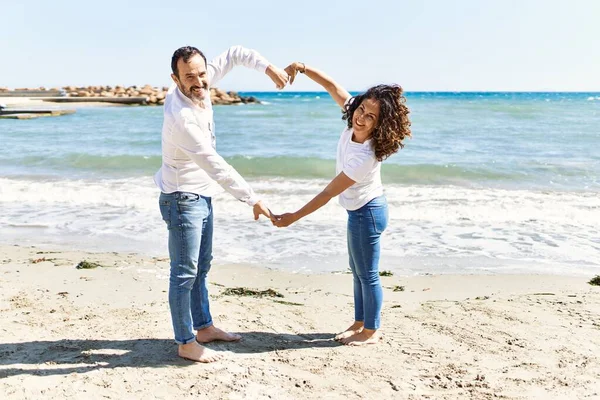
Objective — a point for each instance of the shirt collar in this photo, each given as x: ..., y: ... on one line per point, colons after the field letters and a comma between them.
x: 365, y: 143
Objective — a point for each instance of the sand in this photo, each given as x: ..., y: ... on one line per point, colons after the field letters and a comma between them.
x: 105, y: 333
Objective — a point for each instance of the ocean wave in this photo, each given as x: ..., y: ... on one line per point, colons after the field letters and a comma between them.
x: 309, y: 167
x: 441, y: 222
x: 84, y: 164
x: 87, y: 162
x: 414, y: 202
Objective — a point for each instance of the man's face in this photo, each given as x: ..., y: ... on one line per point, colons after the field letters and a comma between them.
x: 192, y: 79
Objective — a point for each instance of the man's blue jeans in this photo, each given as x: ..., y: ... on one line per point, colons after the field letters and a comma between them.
x: 365, y: 227
x: 189, y: 219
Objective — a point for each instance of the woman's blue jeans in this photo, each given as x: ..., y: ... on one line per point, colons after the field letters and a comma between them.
x: 365, y: 227
x: 189, y: 219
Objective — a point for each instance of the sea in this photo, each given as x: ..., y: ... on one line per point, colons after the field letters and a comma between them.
x: 490, y: 183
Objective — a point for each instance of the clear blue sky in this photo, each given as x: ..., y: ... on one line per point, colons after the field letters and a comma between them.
x: 422, y: 45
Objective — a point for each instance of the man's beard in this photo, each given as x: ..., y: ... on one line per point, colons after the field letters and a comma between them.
x: 189, y: 93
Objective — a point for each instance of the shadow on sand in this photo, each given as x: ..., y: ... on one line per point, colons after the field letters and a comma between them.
x: 68, y: 356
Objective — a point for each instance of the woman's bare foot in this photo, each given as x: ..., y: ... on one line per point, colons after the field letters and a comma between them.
x: 212, y: 333
x: 355, y: 328
x: 366, y: 336
x: 194, y: 352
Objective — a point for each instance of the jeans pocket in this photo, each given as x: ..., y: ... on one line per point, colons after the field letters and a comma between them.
x: 188, y: 199
x: 165, y: 211
x: 379, y: 216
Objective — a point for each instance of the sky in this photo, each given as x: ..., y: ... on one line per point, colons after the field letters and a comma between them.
x: 426, y: 45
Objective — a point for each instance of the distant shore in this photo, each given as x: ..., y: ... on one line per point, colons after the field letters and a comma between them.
x: 107, y: 95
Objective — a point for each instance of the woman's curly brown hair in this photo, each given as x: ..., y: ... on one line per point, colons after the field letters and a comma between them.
x: 393, y: 125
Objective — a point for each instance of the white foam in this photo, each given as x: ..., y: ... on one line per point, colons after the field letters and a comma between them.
x: 443, y: 223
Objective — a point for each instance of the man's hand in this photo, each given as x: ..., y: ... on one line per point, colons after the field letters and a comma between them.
x: 278, y: 76
x: 283, y: 220
x: 259, y: 208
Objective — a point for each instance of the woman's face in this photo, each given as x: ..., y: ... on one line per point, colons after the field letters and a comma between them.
x: 366, y: 117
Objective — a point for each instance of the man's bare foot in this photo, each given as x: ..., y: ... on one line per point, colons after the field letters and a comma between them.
x: 194, y: 352
x: 355, y: 328
x: 366, y: 336
x: 212, y: 333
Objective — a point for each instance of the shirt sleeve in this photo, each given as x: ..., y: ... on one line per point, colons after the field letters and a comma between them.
x: 235, y: 56
x: 359, y: 166
x: 197, y: 144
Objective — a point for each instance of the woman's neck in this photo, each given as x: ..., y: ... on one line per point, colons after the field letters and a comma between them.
x: 357, y: 138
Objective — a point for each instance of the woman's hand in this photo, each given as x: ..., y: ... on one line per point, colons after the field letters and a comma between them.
x: 283, y: 220
x: 293, y: 69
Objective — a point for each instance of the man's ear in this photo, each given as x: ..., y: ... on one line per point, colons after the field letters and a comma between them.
x: 175, y: 79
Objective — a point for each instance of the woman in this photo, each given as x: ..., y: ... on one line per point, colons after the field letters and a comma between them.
x: 377, y: 122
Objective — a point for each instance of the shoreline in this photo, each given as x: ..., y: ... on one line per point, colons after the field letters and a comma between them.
x: 411, y: 267
x: 106, y: 332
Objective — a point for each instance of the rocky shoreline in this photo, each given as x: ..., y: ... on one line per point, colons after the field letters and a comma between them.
x: 147, y: 94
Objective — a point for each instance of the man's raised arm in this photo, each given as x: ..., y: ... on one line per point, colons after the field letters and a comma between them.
x: 241, y: 56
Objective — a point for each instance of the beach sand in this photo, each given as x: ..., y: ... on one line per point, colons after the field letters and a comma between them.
x: 105, y: 333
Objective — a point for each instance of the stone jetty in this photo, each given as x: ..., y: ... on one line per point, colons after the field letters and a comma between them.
x: 141, y: 95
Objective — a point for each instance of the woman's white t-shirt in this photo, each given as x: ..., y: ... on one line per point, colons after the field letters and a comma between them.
x: 358, y: 162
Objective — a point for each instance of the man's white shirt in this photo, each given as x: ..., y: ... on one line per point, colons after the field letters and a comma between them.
x: 190, y: 162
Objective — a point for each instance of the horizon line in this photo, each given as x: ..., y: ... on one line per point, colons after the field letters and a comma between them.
x: 596, y: 91
x: 427, y: 91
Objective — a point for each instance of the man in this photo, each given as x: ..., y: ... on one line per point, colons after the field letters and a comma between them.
x: 190, y: 175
